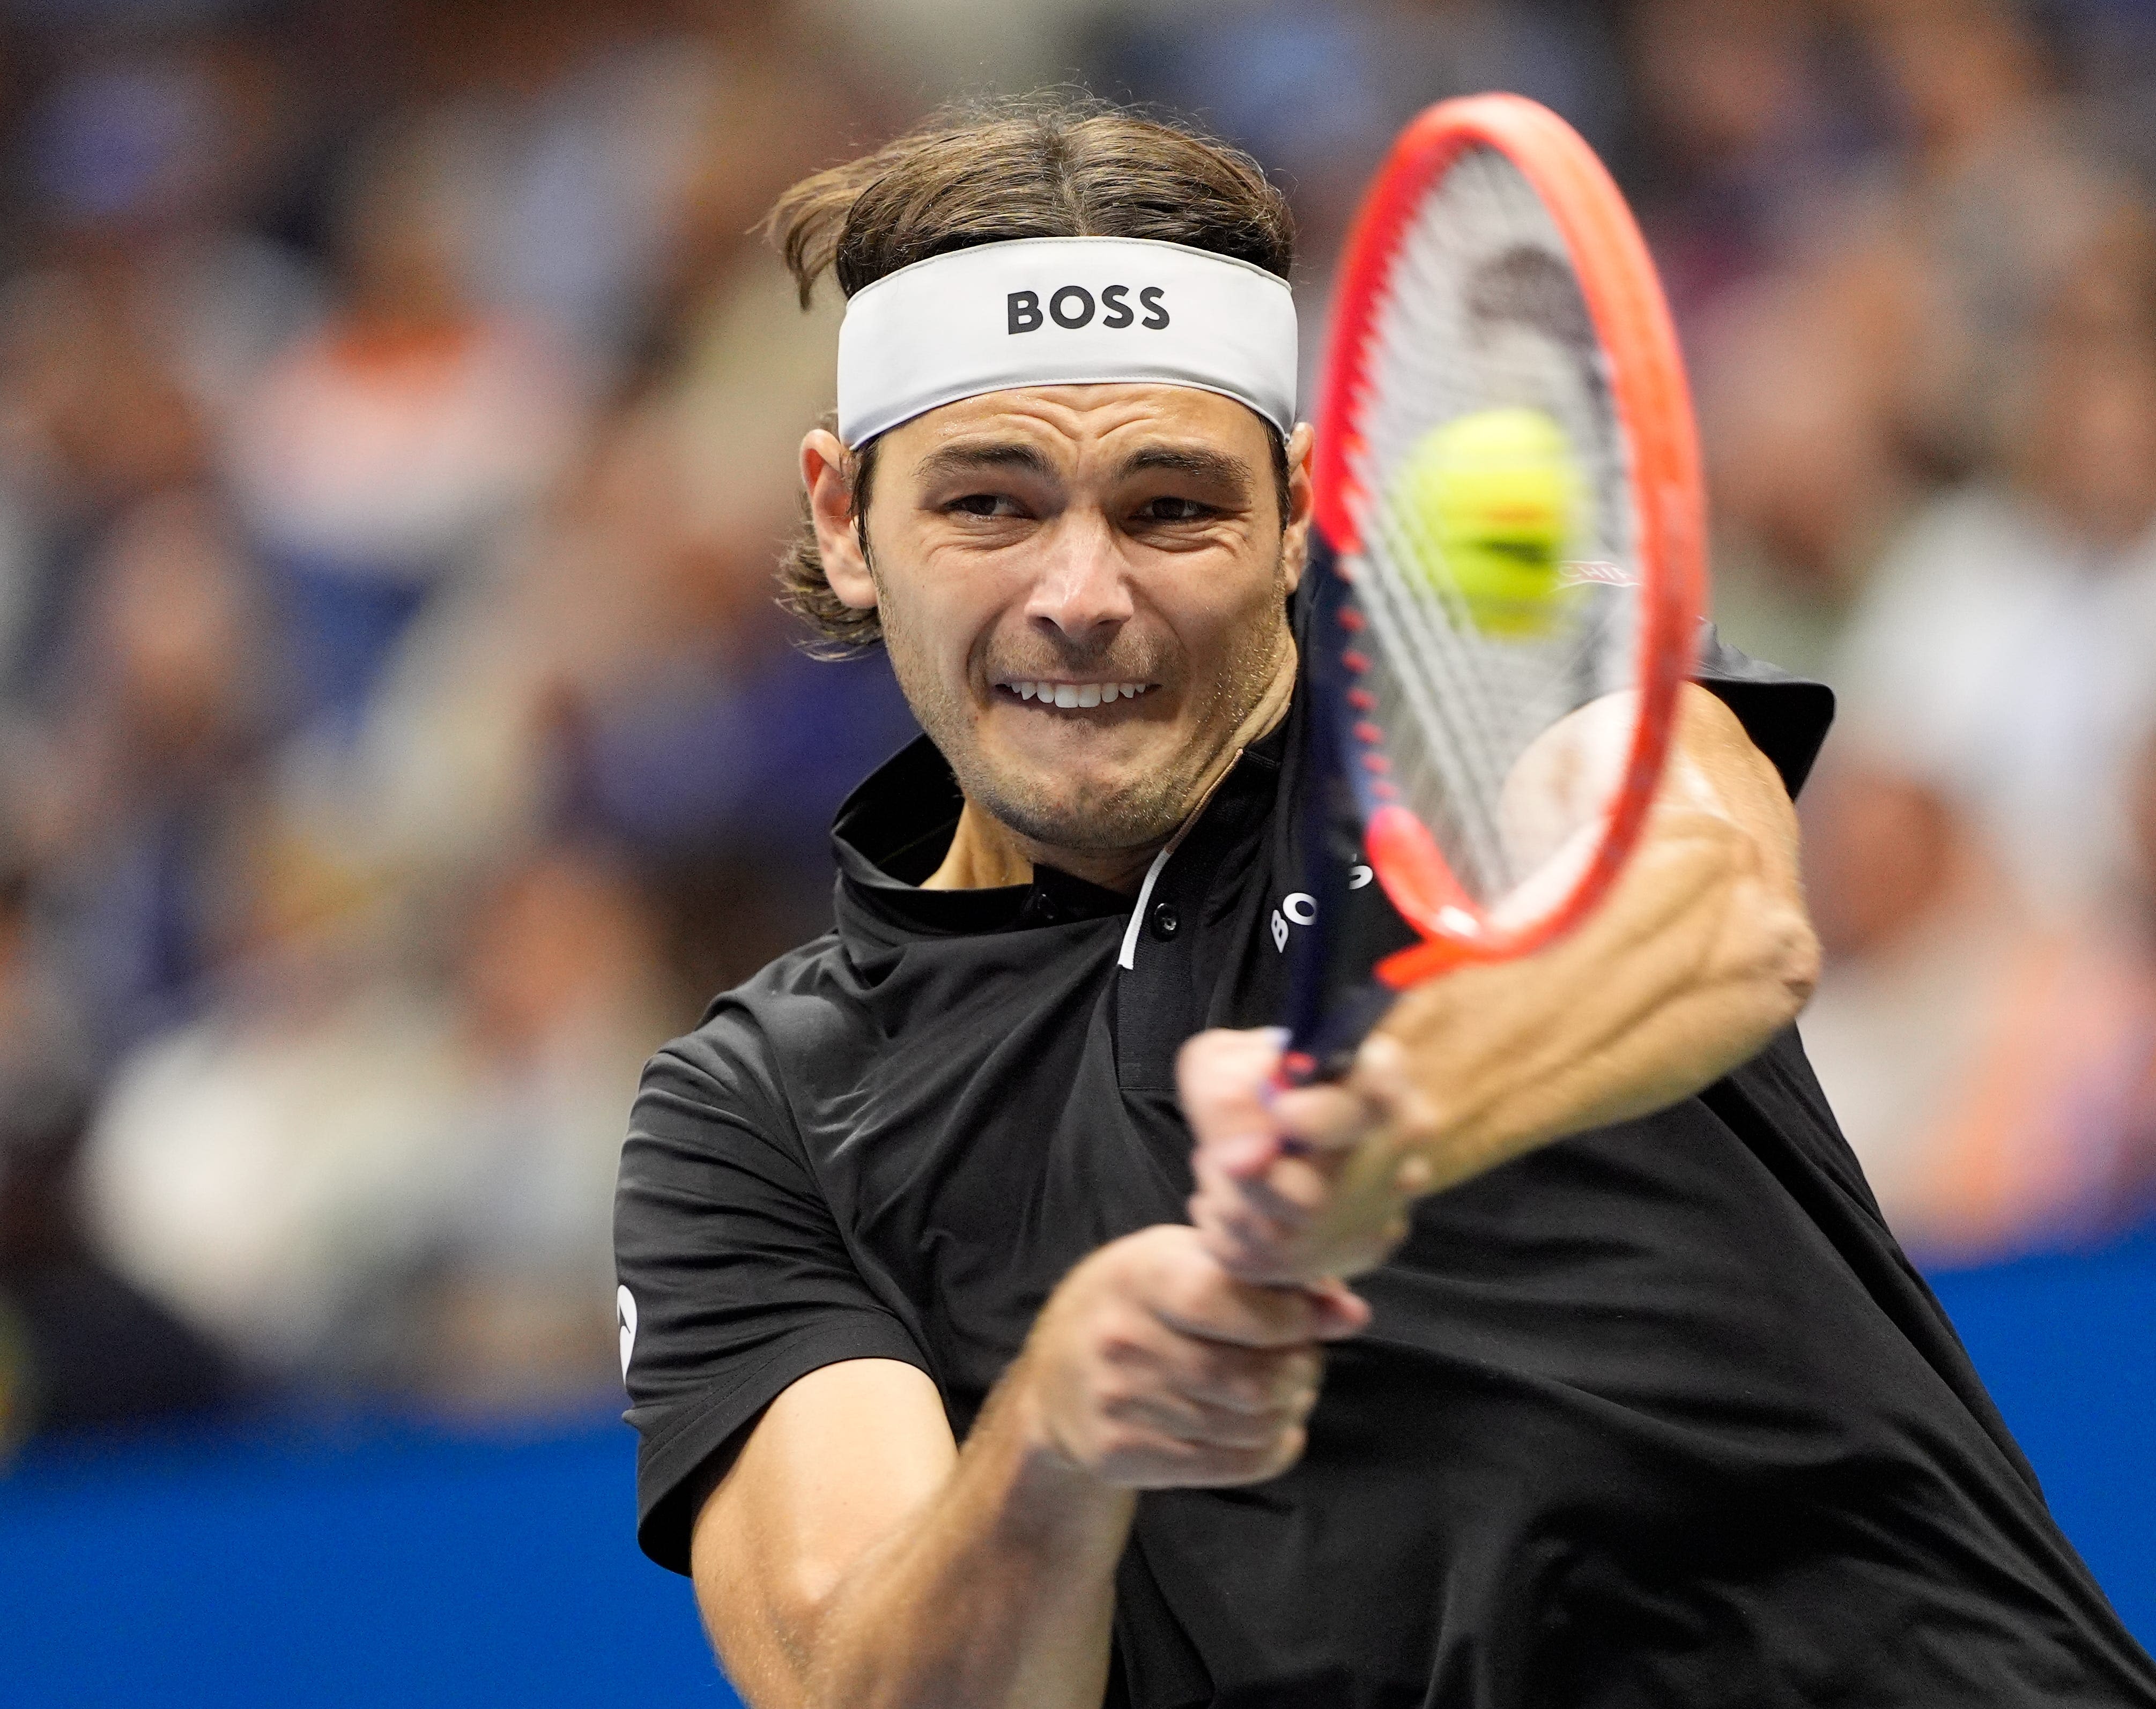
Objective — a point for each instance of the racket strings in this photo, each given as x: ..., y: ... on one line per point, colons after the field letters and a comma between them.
x: 1453, y: 776
x: 1482, y: 314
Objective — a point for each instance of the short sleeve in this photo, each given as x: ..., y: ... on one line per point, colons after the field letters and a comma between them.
x: 735, y: 1278
x: 1786, y: 716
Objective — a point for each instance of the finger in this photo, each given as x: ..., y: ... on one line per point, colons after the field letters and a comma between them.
x: 1293, y: 1190
x: 1224, y: 1078
x: 1228, y: 1468
x: 1328, y: 1118
x: 1248, y: 1314
x: 1176, y: 1419
x: 1189, y: 1292
x: 1256, y: 1382
x: 1270, y: 1384
x: 1385, y: 1076
x: 1182, y: 1466
x: 1311, y: 1121
x: 1287, y: 1194
x: 1342, y: 1311
x: 1257, y: 1200
x: 1246, y: 1246
x: 1261, y: 1262
x: 1174, y: 1376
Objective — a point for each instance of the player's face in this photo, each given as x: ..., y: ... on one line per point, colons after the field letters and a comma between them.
x: 1083, y: 592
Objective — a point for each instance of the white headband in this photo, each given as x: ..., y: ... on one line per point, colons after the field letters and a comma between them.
x: 1063, y: 311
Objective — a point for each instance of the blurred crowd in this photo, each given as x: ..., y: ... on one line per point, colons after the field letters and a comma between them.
x: 399, y: 741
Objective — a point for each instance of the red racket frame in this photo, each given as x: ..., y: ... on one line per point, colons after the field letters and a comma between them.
x: 1623, y: 298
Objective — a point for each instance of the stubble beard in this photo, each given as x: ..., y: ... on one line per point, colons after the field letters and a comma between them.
x: 1138, y: 811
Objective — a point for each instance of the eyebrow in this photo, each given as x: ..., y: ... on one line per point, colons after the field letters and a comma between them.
x: 964, y: 459
x: 1197, y: 460
x: 1203, y: 462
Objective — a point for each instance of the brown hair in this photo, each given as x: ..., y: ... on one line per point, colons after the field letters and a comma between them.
x: 1057, y: 165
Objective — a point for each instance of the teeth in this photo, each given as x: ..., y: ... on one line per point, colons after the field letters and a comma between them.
x: 1078, y: 694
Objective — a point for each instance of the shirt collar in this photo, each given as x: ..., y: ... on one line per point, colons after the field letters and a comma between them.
x: 894, y: 830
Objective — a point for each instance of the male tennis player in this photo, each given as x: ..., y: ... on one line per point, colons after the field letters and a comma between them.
x: 945, y: 1397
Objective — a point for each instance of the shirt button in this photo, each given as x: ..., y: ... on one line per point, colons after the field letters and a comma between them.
x: 1045, y: 910
x: 1166, y: 922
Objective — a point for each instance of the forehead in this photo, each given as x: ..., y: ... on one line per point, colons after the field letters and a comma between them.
x: 1074, y: 424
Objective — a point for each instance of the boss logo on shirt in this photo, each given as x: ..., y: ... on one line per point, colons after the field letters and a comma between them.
x: 1300, y: 907
x: 1072, y: 306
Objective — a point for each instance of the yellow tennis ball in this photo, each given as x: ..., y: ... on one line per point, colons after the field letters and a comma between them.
x: 1486, y: 507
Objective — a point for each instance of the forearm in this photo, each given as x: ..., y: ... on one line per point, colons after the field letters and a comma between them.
x: 1700, y: 957
x: 1701, y: 953
x: 1000, y: 1593
x: 853, y: 1556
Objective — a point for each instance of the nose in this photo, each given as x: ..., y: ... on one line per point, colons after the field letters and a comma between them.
x: 1080, y: 589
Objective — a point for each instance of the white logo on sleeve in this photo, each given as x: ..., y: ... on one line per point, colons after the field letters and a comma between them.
x: 625, y: 1305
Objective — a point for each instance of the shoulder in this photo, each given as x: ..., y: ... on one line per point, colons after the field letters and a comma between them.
x: 763, y: 1016
x: 741, y: 1065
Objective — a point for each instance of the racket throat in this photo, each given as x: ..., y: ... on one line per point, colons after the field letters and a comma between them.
x: 1429, y: 960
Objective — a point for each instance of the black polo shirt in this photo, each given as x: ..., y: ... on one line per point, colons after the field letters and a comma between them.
x: 1655, y: 1416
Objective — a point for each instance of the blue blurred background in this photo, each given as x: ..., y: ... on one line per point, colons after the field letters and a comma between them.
x: 398, y: 740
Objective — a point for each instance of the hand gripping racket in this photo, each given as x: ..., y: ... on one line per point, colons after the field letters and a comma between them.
x: 1510, y: 528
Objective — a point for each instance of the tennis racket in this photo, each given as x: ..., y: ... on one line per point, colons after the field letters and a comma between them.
x: 1509, y: 529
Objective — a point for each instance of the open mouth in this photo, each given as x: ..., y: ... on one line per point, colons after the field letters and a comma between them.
x: 1078, y: 696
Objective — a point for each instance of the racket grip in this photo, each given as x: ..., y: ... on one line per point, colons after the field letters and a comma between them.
x: 1299, y: 1068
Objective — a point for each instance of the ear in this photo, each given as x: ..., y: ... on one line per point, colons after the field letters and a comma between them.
x: 827, y: 473
x: 1295, y: 536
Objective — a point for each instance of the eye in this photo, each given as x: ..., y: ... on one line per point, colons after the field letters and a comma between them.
x: 984, y: 503
x: 1169, y: 509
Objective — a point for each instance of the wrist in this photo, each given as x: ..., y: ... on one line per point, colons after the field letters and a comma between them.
x: 1027, y: 1420
x: 1055, y: 1501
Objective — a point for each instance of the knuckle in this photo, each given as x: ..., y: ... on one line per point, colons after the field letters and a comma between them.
x: 1798, y: 960
x: 1191, y: 1292
x: 1249, y: 1393
x: 1225, y: 1371
x: 1116, y: 1402
x: 1117, y: 1342
x: 1287, y: 1450
x: 1295, y: 1184
x: 1265, y: 1461
x: 1119, y: 1447
x: 1297, y: 1322
x: 1418, y: 1126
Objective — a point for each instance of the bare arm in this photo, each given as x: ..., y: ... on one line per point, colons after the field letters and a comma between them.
x: 1701, y: 952
x: 854, y: 1556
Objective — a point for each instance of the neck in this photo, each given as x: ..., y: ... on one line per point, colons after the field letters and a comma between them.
x: 986, y: 854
